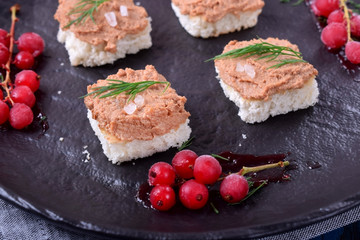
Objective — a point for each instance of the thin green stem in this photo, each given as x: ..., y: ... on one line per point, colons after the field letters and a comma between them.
x: 264, y: 50
x: 86, y: 9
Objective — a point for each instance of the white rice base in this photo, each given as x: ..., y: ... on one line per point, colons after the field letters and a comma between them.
x: 83, y: 53
x: 252, y: 111
x: 119, y: 152
x: 198, y: 27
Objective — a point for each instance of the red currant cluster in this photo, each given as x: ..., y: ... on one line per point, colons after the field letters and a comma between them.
x: 196, y: 172
x: 342, y: 25
x: 16, y: 105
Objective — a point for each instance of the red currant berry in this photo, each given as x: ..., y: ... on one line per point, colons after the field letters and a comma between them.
x: 234, y: 188
x: 1, y: 95
x: 193, y: 195
x: 23, y: 94
x: 4, y: 112
x: 161, y: 173
x: 20, y: 116
x: 4, y: 37
x: 31, y: 42
x: 183, y: 163
x: 28, y: 78
x: 336, y: 16
x: 355, y: 25
x: 24, y: 60
x: 4, y: 54
x: 325, y: 7
x: 207, y: 169
x: 314, y: 9
x: 334, y: 35
x: 162, y: 197
x: 352, y: 51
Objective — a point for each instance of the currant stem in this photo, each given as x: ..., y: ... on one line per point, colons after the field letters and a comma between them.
x: 347, y: 18
x: 246, y: 170
x: 7, y: 81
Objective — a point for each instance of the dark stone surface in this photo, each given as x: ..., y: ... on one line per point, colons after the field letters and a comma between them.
x: 49, y: 177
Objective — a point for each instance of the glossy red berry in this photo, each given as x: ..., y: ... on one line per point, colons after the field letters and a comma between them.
x: 28, y: 78
x: 355, y: 25
x: 32, y: 43
x: 24, y: 60
x: 4, y: 37
x: 336, y: 16
x: 4, y: 54
x: 23, y: 94
x: 4, y: 112
x: 1, y: 95
x: 161, y: 173
x: 193, y: 195
x: 314, y: 9
x: 334, y: 35
x: 325, y: 7
x: 207, y: 169
x: 20, y: 116
x: 234, y: 188
x: 162, y: 197
x: 183, y: 163
x: 352, y: 51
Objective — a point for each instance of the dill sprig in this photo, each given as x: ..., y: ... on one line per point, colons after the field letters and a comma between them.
x: 298, y: 2
x: 264, y: 50
x: 86, y: 9
x: 116, y: 87
x: 219, y: 157
x: 355, y: 6
x: 251, y: 192
x: 186, y: 144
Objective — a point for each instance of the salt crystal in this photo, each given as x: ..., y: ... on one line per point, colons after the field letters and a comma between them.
x: 61, y: 139
x: 111, y: 18
x: 59, y: 92
x: 249, y: 70
x: 124, y: 11
x: 130, y: 108
x: 139, y: 100
x: 239, y: 67
x: 137, y: 3
x: 244, y: 136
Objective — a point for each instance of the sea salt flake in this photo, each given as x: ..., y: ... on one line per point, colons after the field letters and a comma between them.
x: 137, y: 3
x: 61, y: 139
x: 239, y: 67
x: 59, y: 92
x: 139, y: 100
x: 130, y: 108
x: 87, y: 157
x: 244, y: 136
x: 249, y: 70
x: 111, y: 18
x: 124, y: 11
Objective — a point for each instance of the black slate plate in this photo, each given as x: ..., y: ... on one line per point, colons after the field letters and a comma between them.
x: 47, y: 176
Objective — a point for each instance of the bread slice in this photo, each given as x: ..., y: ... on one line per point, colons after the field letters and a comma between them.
x: 83, y: 53
x: 252, y: 111
x: 121, y: 151
x: 199, y: 27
